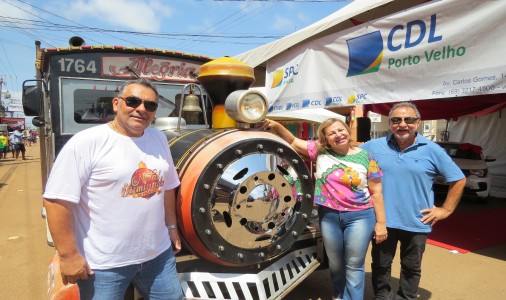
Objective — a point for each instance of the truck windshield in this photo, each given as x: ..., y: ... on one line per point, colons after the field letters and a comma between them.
x: 87, y: 102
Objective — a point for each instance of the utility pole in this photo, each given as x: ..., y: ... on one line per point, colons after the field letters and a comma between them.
x: 6, y: 95
x: 2, y: 107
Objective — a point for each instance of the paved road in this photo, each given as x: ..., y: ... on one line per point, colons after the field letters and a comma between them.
x: 24, y: 254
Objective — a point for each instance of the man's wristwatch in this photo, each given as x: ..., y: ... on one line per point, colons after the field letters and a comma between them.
x: 172, y: 226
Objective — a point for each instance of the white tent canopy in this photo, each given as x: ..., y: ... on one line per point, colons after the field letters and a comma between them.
x: 317, y: 115
x: 380, y: 52
x: 420, y: 52
x: 362, y: 10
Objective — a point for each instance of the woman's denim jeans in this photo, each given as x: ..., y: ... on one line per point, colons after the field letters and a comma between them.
x: 154, y: 279
x: 346, y: 237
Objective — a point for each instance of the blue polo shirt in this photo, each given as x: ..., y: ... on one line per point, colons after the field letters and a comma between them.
x: 408, y: 177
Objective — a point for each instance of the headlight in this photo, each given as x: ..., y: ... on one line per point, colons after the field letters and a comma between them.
x: 479, y: 172
x: 246, y: 106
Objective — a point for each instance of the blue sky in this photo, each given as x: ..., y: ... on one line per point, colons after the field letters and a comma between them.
x: 211, y: 28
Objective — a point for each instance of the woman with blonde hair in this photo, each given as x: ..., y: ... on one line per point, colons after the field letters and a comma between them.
x: 349, y: 198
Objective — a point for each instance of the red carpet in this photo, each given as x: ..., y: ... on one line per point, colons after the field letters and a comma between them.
x: 470, y: 230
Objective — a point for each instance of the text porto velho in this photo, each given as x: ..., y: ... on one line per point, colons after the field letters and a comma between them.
x: 448, y: 52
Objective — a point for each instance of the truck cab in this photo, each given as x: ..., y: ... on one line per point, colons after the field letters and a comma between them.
x: 245, y: 202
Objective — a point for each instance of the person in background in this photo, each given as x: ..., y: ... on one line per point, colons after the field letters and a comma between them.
x: 114, y: 219
x: 18, y: 143
x: 11, y: 144
x: 33, y: 136
x: 349, y: 199
x: 410, y: 163
x: 4, y: 145
x: 26, y: 138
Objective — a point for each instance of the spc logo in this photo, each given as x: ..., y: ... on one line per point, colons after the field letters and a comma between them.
x: 284, y: 76
x: 365, y: 54
x: 277, y: 78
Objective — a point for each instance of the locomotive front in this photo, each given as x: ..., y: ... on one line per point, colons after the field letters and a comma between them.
x: 245, y: 194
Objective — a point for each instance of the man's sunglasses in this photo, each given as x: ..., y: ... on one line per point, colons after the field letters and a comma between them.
x: 407, y: 120
x: 134, y: 102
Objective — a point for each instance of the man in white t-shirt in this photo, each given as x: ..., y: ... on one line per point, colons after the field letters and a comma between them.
x: 110, y: 204
x: 19, y: 145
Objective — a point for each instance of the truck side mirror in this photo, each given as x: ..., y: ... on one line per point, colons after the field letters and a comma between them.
x: 31, y: 98
x: 38, y: 122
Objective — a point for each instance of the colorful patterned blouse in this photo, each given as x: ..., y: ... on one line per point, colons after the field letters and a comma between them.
x: 341, y: 180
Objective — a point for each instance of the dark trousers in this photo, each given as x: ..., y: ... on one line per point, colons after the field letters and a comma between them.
x: 412, y: 246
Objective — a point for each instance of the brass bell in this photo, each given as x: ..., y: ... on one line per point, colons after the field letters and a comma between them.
x: 191, y: 103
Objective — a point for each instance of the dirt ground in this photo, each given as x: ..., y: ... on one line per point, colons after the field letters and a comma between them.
x: 24, y: 254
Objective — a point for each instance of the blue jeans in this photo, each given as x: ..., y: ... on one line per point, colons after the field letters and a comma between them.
x: 154, y: 279
x: 346, y: 237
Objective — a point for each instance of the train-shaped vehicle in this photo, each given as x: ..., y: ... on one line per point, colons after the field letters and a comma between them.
x: 245, y: 203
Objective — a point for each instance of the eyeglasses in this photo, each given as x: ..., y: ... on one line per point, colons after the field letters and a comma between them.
x: 134, y: 102
x: 407, y: 120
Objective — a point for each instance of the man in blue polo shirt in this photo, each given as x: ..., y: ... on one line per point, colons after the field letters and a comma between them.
x: 409, y: 162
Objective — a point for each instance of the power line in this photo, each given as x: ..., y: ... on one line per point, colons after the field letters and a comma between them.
x: 49, y: 26
x: 223, y: 22
x: 7, y: 57
x: 298, y: 1
x: 24, y: 31
x: 80, y: 25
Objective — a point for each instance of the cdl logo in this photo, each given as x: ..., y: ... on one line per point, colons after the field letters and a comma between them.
x: 365, y: 52
x: 275, y: 108
x: 334, y: 100
x: 292, y: 105
x: 307, y: 103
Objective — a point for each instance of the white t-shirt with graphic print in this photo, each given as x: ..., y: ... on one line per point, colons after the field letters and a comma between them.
x: 117, y: 184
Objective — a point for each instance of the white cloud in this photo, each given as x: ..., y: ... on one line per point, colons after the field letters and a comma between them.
x: 281, y: 23
x: 144, y: 16
x: 19, y: 11
x: 303, y: 17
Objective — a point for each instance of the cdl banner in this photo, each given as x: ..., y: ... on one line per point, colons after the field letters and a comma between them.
x: 442, y: 49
